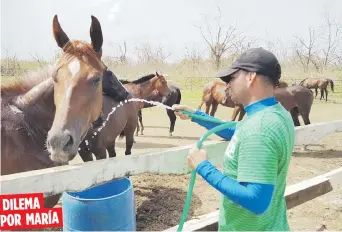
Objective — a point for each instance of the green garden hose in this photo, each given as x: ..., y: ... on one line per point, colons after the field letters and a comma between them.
x: 223, y: 125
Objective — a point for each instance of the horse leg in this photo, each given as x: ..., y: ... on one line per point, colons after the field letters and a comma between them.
x: 100, y: 152
x: 294, y: 113
x: 322, y: 95
x: 316, y: 92
x: 141, y: 123
x: 242, y: 113
x: 172, y: 118
x: 129, y: 133
x: 138, y: 129
x: 85, y: 154
x: 235, y: 112
x: 207, y: 107
x: 111, y: 149
x: 326, y: 95
x: 214, y: 108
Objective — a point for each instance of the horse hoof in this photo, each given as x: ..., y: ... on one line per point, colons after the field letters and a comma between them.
x: 170, y: 134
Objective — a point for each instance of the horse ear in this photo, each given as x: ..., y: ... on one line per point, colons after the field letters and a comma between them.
x: 157, y: 74
x: 60, y: 36
x: 96, y: 34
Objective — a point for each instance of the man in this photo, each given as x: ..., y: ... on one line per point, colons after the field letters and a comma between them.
x: 257, y: 158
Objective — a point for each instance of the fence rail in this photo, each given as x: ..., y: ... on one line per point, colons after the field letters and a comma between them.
x: 171, y: 161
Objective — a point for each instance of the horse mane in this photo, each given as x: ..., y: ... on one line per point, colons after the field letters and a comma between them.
x: 125, y: 81
x: 77, y: 48
x: 15, y: 86
x: 144, y: 79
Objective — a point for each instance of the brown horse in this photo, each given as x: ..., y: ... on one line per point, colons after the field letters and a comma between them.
x: 144, y: 87
x: 80, y: 103
x: 295, y: 99
x: 215, y: 93
x: 27, y: 113
x: 318, y: 83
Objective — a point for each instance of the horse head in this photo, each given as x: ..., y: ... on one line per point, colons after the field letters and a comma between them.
x: 161, y: 84
x: 78, y: 97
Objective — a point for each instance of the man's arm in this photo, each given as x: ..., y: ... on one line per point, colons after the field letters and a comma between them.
x: 225, y: 134
x: 257, y: 175
x: 252, y: 196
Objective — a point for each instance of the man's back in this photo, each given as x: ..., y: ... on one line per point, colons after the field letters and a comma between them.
x: 260, y: 151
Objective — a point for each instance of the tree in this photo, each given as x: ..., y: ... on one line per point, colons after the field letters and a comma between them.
x: 220, y: 42
x: 304, y: 50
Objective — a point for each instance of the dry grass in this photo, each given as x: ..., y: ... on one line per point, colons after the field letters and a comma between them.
x: 191, y: 76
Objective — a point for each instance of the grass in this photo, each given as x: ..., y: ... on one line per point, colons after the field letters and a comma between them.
x: 192, y: 76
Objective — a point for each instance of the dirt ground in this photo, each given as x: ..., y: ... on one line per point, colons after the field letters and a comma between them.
x: 160, y: 198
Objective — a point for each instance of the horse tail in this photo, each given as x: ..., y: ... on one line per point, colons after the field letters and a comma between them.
x: 331, y: 84
x: 301, y: 83
x: 179, y: 97
x: 122, y: 134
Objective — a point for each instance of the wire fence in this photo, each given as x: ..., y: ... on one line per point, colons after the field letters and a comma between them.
x: 195, y: 83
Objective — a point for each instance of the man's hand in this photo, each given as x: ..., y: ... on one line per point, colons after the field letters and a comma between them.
x: 195, y: 157
x: 176, y: 108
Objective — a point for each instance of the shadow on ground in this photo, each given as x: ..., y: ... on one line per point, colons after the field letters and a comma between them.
x: 159, y: 208
x: 172, y: 137
x: 144, y: 145
x: 318, y: 154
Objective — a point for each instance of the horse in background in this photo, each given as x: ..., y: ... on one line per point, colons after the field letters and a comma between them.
x: 318, y: 83
x: 296, y: 99
x: 174, y: 97
x: 216, y: 93
x: 143, y: 88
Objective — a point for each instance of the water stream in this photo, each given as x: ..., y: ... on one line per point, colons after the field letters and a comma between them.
x: 121, y: 104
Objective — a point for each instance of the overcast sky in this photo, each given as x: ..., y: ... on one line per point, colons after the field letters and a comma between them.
x: 26, y: 25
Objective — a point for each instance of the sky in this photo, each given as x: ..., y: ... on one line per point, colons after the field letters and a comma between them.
x: 26, y: 25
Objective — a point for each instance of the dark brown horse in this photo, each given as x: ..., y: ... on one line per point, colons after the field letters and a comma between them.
x: 318, y: 83
x: 27, y: 113
x: 174, y: 97
x: 215, y: 93
x: 295, y: 99
x: 144, y: 87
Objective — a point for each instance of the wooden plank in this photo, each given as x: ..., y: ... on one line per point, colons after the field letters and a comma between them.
x: 81, y: 176
x: 306, y: 191
x: 295, y: 195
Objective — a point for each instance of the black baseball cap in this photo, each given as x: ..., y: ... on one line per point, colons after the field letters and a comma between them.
x: 256, y: 60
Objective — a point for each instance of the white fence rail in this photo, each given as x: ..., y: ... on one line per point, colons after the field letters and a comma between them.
x: 78, y: 177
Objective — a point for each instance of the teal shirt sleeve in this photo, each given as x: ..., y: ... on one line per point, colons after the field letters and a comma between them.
x: 225, y: 134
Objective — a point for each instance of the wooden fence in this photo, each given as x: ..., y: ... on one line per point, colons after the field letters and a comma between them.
x: 78, y: 177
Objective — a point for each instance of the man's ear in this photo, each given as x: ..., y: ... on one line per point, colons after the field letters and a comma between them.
x: 251, y: 77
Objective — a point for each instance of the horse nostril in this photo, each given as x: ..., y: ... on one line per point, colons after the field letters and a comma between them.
x: 69, y: 144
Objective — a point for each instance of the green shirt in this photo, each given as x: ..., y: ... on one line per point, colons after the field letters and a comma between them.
x: 260, y: 151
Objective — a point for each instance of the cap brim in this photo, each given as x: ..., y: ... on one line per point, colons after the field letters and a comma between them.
x: 226, y: 74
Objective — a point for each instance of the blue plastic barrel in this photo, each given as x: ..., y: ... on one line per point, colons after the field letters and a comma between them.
x: 109, y: 206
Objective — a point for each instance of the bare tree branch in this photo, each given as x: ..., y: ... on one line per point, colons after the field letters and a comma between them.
x: 224, y: 39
